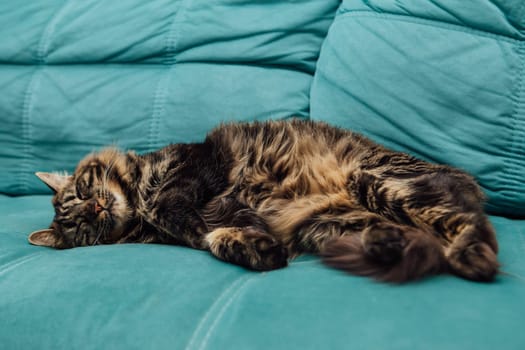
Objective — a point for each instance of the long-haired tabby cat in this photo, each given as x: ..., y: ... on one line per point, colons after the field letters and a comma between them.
x: 259, y: 194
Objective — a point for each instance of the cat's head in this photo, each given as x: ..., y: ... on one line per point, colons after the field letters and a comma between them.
x: 92, y: 206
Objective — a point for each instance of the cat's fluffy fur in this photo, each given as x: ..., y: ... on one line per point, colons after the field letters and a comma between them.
x: 259, y: 194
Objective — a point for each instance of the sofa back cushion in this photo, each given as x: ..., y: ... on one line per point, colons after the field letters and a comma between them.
x: 443, y: 80
x: 77, y: 75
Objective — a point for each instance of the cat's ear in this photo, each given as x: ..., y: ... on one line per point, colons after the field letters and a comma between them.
x: 46, y: 238
x: 53, y: 180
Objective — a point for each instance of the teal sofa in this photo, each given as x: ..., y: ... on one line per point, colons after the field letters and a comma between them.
x: 442, y: 79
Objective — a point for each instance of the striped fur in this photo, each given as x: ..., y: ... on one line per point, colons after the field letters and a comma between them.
x: 258, y: 194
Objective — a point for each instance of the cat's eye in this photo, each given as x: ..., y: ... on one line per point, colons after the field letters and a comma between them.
x: 82, y: 190
x: 69, y: 225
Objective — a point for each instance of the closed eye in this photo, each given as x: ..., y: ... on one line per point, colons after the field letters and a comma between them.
x: 69, y: 225
x: 64, y: 222
x: 85, y: 181
x: 82, y: 190
x: 69, y: 198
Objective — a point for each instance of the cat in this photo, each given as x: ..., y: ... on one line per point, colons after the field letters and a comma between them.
x: 259, y: 194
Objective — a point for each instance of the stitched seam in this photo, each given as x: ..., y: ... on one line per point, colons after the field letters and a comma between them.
x: 215, y: 305
x: 45, y: 40
x: 161, y: 90
x: 27, y: 107
x: 173, y: 36
x: 17, y: 262
x: 225, y: 307
x: 158, y: 109
x: 425, y: 22
x: 521, y: 12
x: 27, y: 134
x: 512, y: 171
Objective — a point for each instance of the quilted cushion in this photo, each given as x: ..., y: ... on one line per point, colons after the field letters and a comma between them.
x: 76, y: 75
x: 440, y: 79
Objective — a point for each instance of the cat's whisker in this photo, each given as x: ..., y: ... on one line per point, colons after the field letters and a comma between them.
x: 102, y: 229
x: 96, y: 239
x: 97, y: 232
x: 107, y: 227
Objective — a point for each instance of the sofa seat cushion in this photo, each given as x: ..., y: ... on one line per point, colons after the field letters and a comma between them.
x: 166, y: 297
x: 443, y: 80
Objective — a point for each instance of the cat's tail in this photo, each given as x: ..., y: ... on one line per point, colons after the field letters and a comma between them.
x: 420, y: 255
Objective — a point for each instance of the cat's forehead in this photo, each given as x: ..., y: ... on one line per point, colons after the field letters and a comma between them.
x: 109, y: 162
x: 104, y: 158
x: 88, y: 164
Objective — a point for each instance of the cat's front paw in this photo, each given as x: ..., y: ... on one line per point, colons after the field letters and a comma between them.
x: 271, y: 254
x: 477, y: 261
x: 249, y: 247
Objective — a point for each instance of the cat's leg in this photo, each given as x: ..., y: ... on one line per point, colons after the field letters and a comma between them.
x: 472, y: 252
x: 365, y: 243
x: 176, y: 220
x: 181, y: 179
x: 248, y: 246
x: 381, y: 237
x: 441, y: 200
x: 240, y: 236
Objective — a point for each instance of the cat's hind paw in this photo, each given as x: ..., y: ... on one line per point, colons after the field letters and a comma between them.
x: 476, y: 261
x: 384, y: 242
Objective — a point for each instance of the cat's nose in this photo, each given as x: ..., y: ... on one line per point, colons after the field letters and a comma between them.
x: 92, y: 208
x: 98, y: 208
